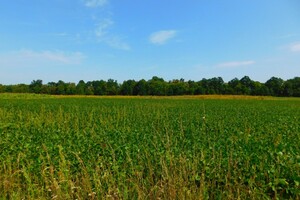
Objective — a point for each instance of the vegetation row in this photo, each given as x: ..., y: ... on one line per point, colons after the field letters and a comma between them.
x: 158, y: 86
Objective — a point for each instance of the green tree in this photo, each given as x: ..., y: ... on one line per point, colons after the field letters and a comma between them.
x: 89, y: 88
x: 50, y: 88
x: 212, y: 86
x: 100, y: 87
x: 20, y: 88
x: 127, y: 87
x: 235, y: 86
x: 275, y: 86
x: 112, y: 87
x: 61, y: 87
x: 259, y: 89
x: 157, y: 86
x: 292, y: 87
x: 247, y: 85
x: 2, y: 88
x: 36, y: 86
x: 177, y: 87
x: 216, y: 85
x: 80, y: 88
x: 192, y: 87
x: 70, y: 88
x: 141, y: 88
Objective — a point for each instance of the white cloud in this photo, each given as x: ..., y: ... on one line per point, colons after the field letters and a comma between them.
x: 117, y: 43
x: 104, y: 35
x: 29, y: 58
x: 295, y: 47
x: 236, y: 64
x: 161, y: 37
x: 102, y: 28
x: 95, y: 3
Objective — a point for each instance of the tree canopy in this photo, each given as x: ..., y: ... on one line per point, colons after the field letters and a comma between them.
x: 159, y: 87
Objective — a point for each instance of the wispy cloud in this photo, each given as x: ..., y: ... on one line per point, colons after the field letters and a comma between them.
x: 117, y: 43
x: 104, y: 35
x: 95, y: 3
x: 236, y: 64
x: 295, y: 47
x: 102, y: 28
x: 29, y: 58
x: 161, y: 37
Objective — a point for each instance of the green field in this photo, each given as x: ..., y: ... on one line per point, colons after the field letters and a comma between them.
x: 149, y: 148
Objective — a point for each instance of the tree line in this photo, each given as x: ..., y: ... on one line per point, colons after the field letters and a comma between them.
x: 159, y: 87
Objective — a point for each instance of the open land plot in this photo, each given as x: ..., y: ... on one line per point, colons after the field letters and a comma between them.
x: 149, y: 147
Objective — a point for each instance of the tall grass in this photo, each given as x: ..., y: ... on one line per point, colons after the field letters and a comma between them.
x: 145, y: 148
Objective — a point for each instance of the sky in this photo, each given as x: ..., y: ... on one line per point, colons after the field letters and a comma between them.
x: 88, y: 40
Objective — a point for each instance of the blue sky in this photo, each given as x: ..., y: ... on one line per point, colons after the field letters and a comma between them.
x: 71, y: 40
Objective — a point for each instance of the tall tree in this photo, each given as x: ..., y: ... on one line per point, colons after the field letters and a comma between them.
x: 89, y: 88
x: 216, y: 85
x: 70, y: 88
x: 61, y: 87
x: 80, y: 87
x: 50, y: 88
x: 235, y: 86
x: 157, y: 86
x: 140, y: 88
x: 247, y: 85
x: 275, y: 86
x: 291, y: 87
x: 100, y: 87
x: 112, y: 87
x: 178, y: 87
x: 127, y: 87
x: 259, y: 89
x: 36, y: 86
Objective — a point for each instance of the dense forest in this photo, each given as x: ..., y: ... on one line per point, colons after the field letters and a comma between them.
x: 158, y: 86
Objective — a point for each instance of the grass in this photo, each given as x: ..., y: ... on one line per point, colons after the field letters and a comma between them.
x: 204, y: 147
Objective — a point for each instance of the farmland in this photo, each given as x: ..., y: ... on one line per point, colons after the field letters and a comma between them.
x: 56, y: 147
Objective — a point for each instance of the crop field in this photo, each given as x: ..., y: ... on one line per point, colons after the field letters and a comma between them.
x: 56, y: 147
